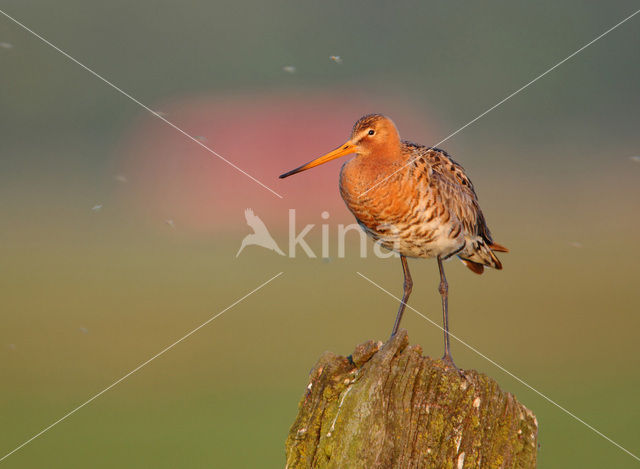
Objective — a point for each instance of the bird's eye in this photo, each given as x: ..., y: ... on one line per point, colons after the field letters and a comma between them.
x: 371, y: 132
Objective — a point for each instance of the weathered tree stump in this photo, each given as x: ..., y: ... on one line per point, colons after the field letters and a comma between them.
x: 387, y: 406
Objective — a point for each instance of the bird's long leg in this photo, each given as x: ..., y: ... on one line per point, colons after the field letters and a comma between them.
x: 443, y: 288
x: 408, y: 285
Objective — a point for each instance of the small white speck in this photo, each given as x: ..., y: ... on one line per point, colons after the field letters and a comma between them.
x: 428, y: 450
x: 476, y: 402
x: 122, y: 178
x: 170, y: 223
x: 575, y: 244
x: 329, y: 434
x: 96, y: 208
x: 289, y: 69
x: 336, y: 58
x: 6, y: 45
x: 84, y: 330
x: 310, y: 386
x: 458, y: 438
x: 635, y: 159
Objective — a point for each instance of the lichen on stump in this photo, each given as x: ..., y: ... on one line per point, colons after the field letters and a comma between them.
x: 387, y: 406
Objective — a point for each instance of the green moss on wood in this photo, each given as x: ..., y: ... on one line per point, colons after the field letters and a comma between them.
x: 388, y: 406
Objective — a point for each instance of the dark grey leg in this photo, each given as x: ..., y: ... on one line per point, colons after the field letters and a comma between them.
x: 408, y: 285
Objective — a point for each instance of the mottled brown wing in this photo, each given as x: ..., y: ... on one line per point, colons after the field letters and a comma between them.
x: 458, y: 191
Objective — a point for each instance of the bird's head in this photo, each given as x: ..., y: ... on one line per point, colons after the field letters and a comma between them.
x: 373, y: 134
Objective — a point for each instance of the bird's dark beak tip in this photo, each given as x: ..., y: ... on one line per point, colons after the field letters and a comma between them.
x: 287, y: 174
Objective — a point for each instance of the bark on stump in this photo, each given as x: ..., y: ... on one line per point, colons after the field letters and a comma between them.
x: 387, y: 406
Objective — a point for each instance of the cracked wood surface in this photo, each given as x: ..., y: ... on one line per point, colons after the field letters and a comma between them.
x: 387, y: 406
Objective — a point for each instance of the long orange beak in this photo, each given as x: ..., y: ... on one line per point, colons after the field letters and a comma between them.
x: 343, y: 150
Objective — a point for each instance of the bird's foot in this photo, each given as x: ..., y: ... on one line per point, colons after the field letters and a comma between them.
x: 448, y: 362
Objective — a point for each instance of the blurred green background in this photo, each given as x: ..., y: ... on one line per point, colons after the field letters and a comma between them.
x: 87, y: 295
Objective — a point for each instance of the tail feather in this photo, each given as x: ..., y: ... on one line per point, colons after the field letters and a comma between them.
x: 482, y: 254
x: 496, y: 262
x: 498, y: 247
x: 473, y: 266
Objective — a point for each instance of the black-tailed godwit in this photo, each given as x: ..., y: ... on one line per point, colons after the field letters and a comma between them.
x: 414, y: 200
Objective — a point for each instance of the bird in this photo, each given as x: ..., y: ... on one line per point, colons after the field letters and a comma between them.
x: 415, y: 200
x: 260, y: 235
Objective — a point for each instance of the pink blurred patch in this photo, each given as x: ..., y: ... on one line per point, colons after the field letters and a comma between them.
x: 171, y: 177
